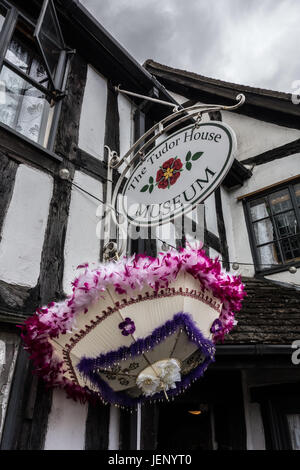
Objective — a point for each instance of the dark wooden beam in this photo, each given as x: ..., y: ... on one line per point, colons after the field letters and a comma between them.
x: 97, y: 427
x: 274, y: 154
x: 211, y: 240
x: 263, y: 108
x: 112, y: 141
x: 236, y: 175
x: 128, y: 429
x: 52, y: 261
x: 112, y: 120
x: 16, y: 405
x: 149, y: 426
x: 22, y: 150
x: 91, y: 165
x: 222, y: 229
x: 68, y: 127
x: 16, y: 300
x: 8, y: 170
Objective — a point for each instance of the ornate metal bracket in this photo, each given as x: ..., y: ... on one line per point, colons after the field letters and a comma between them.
x: 111, y: 250
x: 148, y: 98
x: 139, y: 149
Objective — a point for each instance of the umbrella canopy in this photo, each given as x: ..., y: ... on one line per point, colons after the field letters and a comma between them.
x: 141, y: 328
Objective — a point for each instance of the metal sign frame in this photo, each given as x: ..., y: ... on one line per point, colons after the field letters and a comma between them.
x: 138, y: 150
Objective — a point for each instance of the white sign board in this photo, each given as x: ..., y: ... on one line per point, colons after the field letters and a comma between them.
x: 178, y: 174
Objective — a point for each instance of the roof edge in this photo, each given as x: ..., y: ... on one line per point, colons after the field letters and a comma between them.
x: 153, y: 65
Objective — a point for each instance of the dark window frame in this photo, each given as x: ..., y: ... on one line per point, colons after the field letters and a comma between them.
x: 36, y: 35
x: 284, y: 266
x: 57, y: 91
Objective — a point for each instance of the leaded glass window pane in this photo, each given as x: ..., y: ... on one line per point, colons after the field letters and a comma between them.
x: 275, y: 226
x: 25, y: 108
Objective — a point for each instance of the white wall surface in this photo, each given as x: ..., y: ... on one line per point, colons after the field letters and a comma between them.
x: 210, y: 215
x: 214, y: 254
x: 93, y: 114
x: 24, y: 227
x: 179, y: 98
x: 286, y: 276
x: 240, y: 238
x: 126, y: 123
x: 255, y: 137
x: 270, y: 173
x: 82, y: 244
x: 114, y: 428
x: 66, y: 423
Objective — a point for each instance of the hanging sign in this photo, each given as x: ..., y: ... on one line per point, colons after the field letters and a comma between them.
x: 178, y: 173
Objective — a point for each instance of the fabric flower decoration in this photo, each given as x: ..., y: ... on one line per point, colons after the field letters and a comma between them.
x: 168, y: 173
x: 169, y: 373
x: 162, y: 376
x: 127, y: 326
x: 216, y: 326
x: 149, y: 383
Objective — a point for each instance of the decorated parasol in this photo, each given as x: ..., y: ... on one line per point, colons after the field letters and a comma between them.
x: 138, y: 329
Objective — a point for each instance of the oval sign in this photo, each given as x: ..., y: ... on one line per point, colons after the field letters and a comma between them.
x: 179, y: 173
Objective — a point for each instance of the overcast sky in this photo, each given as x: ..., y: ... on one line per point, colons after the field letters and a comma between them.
x: 250, y: 42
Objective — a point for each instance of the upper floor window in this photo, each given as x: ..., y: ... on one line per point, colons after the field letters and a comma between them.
x: 33, y: 59
x: 275, y: 226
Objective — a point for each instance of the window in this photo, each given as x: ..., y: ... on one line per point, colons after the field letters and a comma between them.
x: 274, y: 221
x: 33, y: 60
x: 280, y: 410
x: 293, y: 421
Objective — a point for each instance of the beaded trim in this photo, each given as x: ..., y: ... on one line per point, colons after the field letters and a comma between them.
x: 88, y: 366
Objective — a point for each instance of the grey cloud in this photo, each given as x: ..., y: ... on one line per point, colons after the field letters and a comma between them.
x: 252, y: 42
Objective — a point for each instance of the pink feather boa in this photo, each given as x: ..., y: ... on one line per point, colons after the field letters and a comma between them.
x: 129, y: 275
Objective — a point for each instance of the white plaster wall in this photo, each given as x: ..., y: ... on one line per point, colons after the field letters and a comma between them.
x: 255, y: 137
x: 114, y: 428
x: 24, y: 227
x: 66, y: 423
x: 82, y: 244
x: 210, y: 215
x: 179, y: 98
x: 270, y: 173
x: 182, y: 99
x: 197, y: 215
x: 213, y: 253
x: 286, y: 276
x: 241, y: 247
x: 126, y: 111
x: 93, y: 114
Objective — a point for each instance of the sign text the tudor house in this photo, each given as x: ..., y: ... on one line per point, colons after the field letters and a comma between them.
x: 178, y: 173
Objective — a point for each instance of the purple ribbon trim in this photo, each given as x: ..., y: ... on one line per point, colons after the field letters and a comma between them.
x: 87, y: 366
